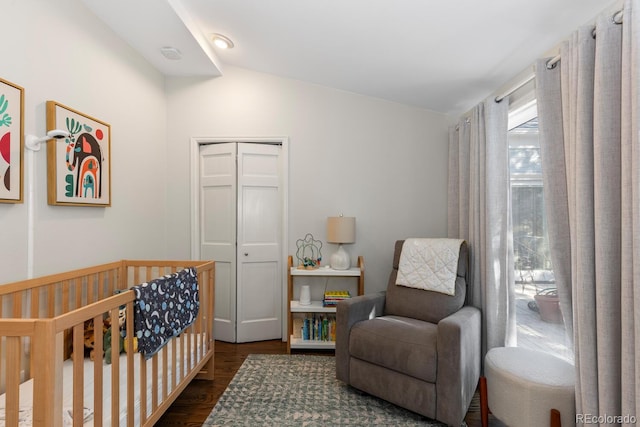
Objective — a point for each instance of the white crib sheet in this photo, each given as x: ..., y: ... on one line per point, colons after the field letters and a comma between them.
x: 26, y: 388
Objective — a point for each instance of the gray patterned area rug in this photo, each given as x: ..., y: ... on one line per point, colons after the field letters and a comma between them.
x: 301, y: 390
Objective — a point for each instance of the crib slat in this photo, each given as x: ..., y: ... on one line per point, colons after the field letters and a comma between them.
x: 188, y: 336
x: 98, y: 378
x: 154, y: 382
x: 136, y: 275
x: 17, y: 306
x: 174, y: 364
x: 34, y: 295
x: 177, y: 369
x: 115, y: 367
x: 34, y: 313
x: 186, y: 363
x: 78, y: 371
x: 115, y: 277
x: 110, y: 283
x: 65, y: 296
x: 130, y: 367
x: 143, y: 390
x: 12, y: 402
x: 206, y: 332
x: 100, y: 291
x: 210, y: 281
x: 165, y: 369
x: 199, y: 322
x: 91, y: 291
x: 51, y: 299
x: 78, y: 286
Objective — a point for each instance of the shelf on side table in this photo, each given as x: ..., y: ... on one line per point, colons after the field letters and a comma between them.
x: 314, y: 307
x: 326, y: 272
x: 299, y: 343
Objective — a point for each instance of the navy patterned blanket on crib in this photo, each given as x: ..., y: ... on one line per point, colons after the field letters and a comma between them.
x: 164, y: 307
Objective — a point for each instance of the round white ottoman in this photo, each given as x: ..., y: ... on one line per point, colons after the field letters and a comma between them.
x: 524, y: 385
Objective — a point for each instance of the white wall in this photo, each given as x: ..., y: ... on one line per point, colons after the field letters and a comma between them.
x: 382, y: 162
x: 58, y: 50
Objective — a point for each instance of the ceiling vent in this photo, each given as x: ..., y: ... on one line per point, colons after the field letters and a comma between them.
x: 171, y: 53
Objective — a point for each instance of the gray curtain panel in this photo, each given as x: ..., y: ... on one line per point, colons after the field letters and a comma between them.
x: 589, y: 113
x: 554, y: 180
x: 480, y: 212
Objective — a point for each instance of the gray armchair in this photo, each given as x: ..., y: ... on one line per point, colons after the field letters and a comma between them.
x: 417, y: 349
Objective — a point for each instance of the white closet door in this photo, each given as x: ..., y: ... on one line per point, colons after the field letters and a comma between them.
x: 259, y: 247
x: 218, y: 230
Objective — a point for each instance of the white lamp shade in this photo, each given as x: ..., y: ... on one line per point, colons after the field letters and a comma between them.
x: 341, y: 229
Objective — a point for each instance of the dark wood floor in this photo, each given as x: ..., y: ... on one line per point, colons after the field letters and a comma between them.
x: 196, y: 402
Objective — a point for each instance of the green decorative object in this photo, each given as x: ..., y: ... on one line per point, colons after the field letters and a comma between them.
x: 309, y: 252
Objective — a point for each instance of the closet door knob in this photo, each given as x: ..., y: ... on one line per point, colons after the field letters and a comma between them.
x: 246, y: 254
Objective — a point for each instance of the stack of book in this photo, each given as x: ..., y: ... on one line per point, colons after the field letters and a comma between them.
x: 318, y: 328
x: 331, y: 298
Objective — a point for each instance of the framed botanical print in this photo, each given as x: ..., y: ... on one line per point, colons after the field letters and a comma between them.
x: 11, y: 142
x: 78, y: 165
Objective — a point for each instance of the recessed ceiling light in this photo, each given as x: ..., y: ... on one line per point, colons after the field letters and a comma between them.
x: 221, y: 41
x: 171, y: 53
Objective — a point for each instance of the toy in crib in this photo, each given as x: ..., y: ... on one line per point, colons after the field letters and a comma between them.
x: 90, y: 337
x: 121, y: 335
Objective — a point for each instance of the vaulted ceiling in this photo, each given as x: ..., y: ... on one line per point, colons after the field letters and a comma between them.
x: 443, y: 55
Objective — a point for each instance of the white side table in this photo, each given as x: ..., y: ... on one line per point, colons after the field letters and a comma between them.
x: 294, y: 305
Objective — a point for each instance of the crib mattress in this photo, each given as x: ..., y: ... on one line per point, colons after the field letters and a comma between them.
x: 26, y: 389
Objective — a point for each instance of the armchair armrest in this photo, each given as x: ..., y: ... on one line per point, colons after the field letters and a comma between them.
x: 348, y: 313
x: 458, y: 363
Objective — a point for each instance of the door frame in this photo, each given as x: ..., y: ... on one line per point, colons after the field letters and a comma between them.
x: 195, y: 144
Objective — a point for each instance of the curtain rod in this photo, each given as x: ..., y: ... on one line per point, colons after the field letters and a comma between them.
x: 616, y: 18
x: 516, y: 87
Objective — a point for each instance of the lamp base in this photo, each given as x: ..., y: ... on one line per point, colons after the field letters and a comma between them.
x: 340, y: 259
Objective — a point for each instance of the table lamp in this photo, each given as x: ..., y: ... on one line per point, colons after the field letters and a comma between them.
x: 341, y: 229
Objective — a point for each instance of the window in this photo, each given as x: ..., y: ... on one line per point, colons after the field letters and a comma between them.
x: 531, y: 249
x: 538, y: 317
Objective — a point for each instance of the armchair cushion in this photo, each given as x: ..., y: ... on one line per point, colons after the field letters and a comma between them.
x: 402, y: 344
x: 425, y: 305
x: 348, y: 313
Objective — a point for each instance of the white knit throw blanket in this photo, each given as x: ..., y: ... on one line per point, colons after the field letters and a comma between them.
x: 429, y: 264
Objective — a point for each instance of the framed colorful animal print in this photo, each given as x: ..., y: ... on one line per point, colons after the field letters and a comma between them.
x: 78, y: 164
x: 11, y: 142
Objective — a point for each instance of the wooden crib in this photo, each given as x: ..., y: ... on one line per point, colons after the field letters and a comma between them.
x: 42, y: 323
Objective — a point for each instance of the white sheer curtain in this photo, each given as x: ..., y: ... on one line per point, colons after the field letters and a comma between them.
x: 479, y: 212
x: 589, y: 113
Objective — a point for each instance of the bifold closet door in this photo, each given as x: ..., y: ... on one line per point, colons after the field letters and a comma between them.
x: 259, y: 273
x: 241, y: 217
x: 218, y: 201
